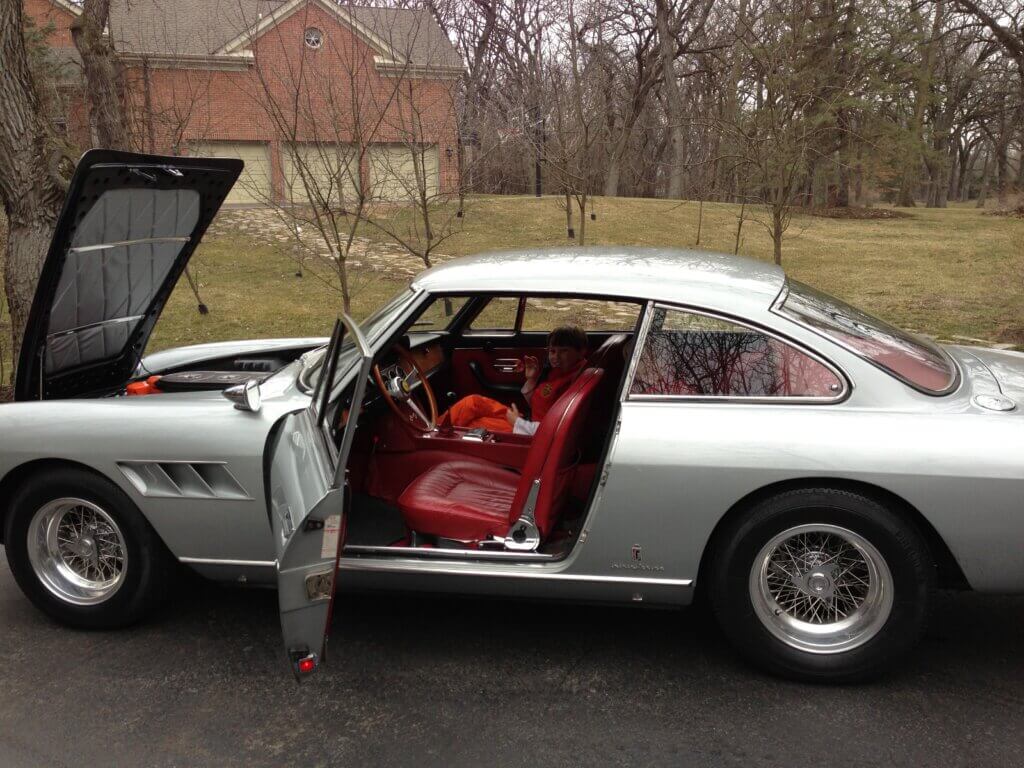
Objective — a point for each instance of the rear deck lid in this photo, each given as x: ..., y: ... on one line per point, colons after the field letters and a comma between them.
x: 129, y: 225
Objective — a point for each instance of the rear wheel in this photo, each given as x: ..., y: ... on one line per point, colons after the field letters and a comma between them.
x: 82, y: 552
x: 821, y: 585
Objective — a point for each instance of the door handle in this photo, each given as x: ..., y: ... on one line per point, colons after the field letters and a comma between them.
x: 506, y: 364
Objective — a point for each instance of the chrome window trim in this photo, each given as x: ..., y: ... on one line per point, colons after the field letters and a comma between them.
x: 840, y: 373
x: 958, y: 380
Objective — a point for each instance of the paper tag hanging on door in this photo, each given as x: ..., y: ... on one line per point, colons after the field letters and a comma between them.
x: 329, y: 544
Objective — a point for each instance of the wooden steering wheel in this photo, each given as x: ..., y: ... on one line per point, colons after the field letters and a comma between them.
x: 397, y: 386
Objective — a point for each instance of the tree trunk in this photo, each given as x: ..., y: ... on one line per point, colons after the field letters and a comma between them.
x: 611, y: 182
x: 30, y: 189
x: 1002, y: 166
x: 984, y: 181
x: 777, y: 231
x: 673, y: 111
x: 912, y: 163
x: 99, y: 65
x: 569, y: 231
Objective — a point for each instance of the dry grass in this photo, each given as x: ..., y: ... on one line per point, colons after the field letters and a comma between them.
x: 951, y: 272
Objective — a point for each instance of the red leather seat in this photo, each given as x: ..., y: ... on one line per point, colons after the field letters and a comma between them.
x: 469, y: 501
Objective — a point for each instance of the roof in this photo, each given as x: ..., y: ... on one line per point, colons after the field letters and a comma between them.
x: 700, y: 278
x: 209, y: 27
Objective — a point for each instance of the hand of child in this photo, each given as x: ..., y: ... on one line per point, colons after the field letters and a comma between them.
x: 531, y: 367
x: 512, y: 414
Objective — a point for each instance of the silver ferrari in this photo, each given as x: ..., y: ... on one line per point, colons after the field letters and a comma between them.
x: 811, y: 471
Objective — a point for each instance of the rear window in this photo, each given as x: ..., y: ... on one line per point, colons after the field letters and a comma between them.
x: 913, y: 359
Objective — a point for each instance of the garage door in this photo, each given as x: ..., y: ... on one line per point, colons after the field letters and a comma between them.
x: 321, y: 171
x: 253, y: 185
x: 395, y: 168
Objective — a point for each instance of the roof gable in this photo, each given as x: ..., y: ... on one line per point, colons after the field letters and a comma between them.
x: 286, y: 9
x: 226, y: 28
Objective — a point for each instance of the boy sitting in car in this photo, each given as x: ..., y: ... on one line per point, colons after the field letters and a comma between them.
x: 567, y: 357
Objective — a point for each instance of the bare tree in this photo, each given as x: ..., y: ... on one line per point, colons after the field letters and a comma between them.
x: 360, y: 148
x: 100, y: 65
x: 784, y: 118
x: 32, y: 187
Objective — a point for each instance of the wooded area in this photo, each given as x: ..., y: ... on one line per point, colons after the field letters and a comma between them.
x: 778, y: 102
x: 771, y: 104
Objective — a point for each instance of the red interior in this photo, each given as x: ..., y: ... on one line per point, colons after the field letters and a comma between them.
x: 470, y: 502
x: 466, y: 382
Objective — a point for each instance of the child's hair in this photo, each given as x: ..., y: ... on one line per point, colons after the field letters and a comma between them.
x: 568, y: 336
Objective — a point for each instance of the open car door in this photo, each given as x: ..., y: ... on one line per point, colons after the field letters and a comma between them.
x: 308, y: 455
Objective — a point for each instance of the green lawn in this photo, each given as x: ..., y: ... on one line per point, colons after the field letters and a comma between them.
x: 952, y: 272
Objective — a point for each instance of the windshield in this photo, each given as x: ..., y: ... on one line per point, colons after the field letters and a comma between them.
x: 371, y: 328
x: 917, y: 361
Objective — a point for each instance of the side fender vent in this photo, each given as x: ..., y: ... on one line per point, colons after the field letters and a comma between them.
x: 183, y: 479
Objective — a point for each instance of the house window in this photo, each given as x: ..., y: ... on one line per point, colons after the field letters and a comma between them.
x: 314, y: 38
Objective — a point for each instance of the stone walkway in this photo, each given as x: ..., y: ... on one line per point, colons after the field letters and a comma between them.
x: 263, y: 224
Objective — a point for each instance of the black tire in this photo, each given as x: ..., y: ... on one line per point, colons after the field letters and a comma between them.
x: 901, y: 546
x: 149, y: 566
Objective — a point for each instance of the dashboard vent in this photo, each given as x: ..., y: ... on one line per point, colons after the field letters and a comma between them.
x: 183, y: 479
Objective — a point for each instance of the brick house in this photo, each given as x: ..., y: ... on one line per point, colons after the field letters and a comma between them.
x: 315, y: 96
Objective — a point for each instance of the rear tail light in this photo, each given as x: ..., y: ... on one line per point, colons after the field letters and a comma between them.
x: 304, y: 663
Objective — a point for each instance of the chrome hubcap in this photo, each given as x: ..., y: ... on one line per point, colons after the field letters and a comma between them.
x: 77, y: 551
x: 821, y: 588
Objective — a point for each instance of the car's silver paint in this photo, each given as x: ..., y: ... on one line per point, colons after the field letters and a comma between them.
x: 698, y: 278
x: 179, y: 357
x: 675, y: 467
x: 202, y: 426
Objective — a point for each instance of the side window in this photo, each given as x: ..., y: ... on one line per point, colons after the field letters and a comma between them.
x: 498, y: 315
x: 546, y: 314
x: 690, y: 354
x: 439, y: 315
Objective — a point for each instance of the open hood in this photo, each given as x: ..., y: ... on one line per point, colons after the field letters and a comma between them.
x: 129, y: 226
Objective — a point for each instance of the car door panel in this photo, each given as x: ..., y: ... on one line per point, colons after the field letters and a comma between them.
x: 307, y: 492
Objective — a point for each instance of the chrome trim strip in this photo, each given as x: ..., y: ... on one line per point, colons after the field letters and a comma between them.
x: 756, y: 399
x: 443, y: 553
x: 122, y: 243
x: 357, y: 564
x: 216, y: 561
x: 112, y: 321
x: 638, y: 344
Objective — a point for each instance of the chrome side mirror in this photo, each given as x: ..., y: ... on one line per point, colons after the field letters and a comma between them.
x: 246, y: 397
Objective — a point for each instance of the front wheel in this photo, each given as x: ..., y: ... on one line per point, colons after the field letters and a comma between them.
x: 821, y: 585
x: 82, y: 552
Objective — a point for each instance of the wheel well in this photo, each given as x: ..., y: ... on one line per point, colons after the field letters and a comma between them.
x: 948, y: 571
x: 13, y: 479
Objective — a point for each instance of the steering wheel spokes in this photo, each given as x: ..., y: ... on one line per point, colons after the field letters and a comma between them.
x: 398, y: 384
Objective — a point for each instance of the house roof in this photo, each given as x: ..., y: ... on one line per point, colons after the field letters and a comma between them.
x: 191, y: 28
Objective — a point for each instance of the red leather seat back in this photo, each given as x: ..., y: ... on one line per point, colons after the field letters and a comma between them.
x: 554, y: 450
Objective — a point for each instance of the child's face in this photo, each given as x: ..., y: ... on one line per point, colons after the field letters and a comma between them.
x: 564, y: 357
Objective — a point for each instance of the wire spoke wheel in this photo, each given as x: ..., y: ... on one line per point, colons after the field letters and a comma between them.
x: 77, y: 551
x: 821, y: 588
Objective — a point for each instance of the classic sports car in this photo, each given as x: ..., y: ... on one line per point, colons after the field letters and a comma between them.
x: 811, y: 470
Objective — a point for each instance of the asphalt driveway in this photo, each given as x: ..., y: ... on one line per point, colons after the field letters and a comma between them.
x: 444, y: 681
